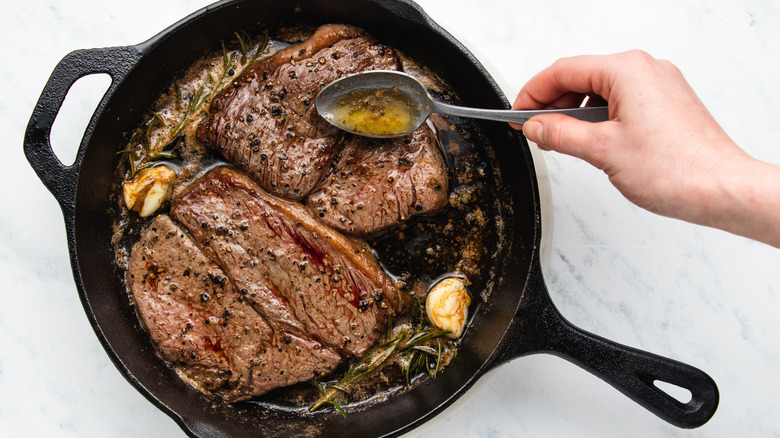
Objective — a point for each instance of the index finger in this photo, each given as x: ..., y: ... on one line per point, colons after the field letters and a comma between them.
x: 578, y: 74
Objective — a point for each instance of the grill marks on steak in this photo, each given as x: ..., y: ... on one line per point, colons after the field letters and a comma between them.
x: 204, y: 326
x: 375, y: 184
x: 285, y: 259
x: 266, y: 123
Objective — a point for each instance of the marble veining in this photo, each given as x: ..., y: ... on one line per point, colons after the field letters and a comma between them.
x: 694, y: 294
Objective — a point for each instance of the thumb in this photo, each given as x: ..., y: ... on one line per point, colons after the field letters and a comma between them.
x: 567, y: 135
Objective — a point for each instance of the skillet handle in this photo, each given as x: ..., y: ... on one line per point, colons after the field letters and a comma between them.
x: 58, y: 178
x: 631, y: 371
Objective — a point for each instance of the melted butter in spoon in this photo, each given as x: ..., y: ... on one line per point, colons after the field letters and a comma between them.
x: 380, y: 112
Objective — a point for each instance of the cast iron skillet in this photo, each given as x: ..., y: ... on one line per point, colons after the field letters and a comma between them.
x: 518, y: 319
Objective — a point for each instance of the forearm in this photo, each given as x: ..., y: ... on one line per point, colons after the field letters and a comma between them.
x: 749, y: 204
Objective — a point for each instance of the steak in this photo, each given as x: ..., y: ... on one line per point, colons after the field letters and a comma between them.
x: 202, y: 325
x: 376, y: 184
x: 266, y: 123
x: 282, y: 258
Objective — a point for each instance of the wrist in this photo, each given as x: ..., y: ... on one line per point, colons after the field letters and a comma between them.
x: 747, y: 200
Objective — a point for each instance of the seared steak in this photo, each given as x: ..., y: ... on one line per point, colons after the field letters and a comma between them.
x: 375, y: 184
x: 281, y: 257
x: 266, y: 123
x: 203, y: 326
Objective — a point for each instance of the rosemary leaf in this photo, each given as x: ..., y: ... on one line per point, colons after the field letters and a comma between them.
x: 262, y: 46
x: 339, y: 387
x: 433, y: 368
x: 243, y: 47
x: 405, y: 362
x: 159, y: 118
x: 438, y: 358
x: 162, y: 154
x: 424, y: 349
x: 143, y: 166
x: 429, y: 369
x: 417, y: 363
x: 224, y: 56
x: 338, y: 407
x: 423, y: 335
x: 389, y: 327
x: 156, y: 119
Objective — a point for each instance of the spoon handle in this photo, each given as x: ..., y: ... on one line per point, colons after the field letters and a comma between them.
x: 588, y: 114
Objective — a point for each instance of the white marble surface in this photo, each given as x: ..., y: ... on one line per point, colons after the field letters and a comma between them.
x: 698, y: 295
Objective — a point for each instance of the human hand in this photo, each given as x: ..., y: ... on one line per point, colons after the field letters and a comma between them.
x: 661, y: 148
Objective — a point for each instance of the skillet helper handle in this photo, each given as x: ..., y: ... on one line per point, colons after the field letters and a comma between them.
x: 538, y: 327
x: 57, y: 177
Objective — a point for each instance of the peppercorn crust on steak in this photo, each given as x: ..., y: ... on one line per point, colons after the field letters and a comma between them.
x: 377, y: 184
x: 285, y: 260
x: 266, y: 124
x: 207, y: 329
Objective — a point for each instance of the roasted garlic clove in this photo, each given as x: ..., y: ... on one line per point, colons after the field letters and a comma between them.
x: 447, y: 306
x: 149, y: 189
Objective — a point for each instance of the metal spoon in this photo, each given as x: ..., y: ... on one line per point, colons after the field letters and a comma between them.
x: 385, y: 104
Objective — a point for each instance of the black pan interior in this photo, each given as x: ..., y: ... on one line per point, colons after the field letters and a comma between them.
x: 399, y: 24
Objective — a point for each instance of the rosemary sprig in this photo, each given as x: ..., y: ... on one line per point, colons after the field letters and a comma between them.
x: 370, y: 361
x: 141, y: 153
x: 414, y: 357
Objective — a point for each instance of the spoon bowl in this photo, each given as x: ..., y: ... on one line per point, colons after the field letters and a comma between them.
x: 385, y: 104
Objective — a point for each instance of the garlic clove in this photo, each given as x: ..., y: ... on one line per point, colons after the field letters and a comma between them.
x: 154, y: 198
x: 447, y: 306
x: 149, y: 189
